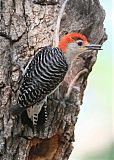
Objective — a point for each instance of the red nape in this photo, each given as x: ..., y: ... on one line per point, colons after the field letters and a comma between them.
x: 70, y: 37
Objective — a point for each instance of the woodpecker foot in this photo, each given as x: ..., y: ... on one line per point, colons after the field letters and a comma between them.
x: 72, y: 84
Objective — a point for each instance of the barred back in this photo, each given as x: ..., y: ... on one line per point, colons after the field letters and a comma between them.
x: 44, y: 73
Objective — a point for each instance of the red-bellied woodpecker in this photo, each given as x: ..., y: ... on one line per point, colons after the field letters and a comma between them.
x: 47, y: 70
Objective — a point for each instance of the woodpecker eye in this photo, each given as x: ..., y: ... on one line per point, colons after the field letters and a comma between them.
x: 80, y: 43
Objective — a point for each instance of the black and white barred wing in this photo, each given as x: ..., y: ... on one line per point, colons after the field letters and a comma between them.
x: 44, y: 73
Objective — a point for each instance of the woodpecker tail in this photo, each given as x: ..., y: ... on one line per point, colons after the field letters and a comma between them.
x: 16, y: 109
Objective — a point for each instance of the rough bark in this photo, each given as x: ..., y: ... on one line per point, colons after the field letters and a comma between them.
x: 25, y: 26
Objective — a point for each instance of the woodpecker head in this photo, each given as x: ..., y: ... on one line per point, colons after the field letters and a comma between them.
x: 75, y: 43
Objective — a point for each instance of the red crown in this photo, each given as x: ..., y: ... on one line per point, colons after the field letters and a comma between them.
x: 71, y: 37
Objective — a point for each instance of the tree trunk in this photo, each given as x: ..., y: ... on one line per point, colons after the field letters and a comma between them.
x: 27, y: 25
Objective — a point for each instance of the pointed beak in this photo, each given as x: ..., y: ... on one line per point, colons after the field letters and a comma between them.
x: 94, y: 47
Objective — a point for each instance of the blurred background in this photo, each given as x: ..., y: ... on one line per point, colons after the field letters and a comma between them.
x: 94, y: 139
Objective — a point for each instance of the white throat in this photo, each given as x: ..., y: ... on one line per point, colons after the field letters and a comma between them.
x: 71, y: 53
